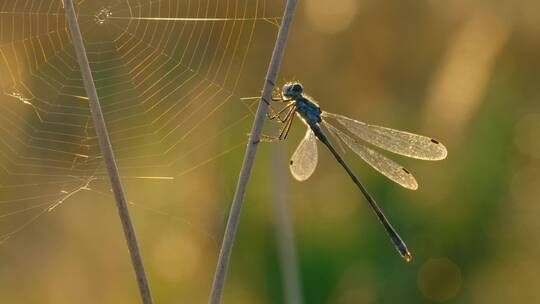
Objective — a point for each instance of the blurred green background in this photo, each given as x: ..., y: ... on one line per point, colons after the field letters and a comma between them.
x: 463, y: 72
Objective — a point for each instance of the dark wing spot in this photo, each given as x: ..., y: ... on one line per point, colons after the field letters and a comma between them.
x: 434, y: 141
x: 405, y: 170
x: 291, y: 162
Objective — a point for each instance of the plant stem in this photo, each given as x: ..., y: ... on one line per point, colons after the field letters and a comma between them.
x: 249, y: 157
x: 108, y: 155
x: 285, y: 233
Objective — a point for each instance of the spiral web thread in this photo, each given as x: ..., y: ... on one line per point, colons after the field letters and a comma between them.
x: 165, y: 71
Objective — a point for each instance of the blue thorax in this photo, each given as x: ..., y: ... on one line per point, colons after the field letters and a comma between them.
x: 308, y: 110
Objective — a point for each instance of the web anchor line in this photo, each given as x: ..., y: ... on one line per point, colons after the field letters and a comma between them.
x: 269, y: 19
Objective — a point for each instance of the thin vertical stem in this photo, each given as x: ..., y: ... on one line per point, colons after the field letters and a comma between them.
x: 285, y: 232
x: 108, y: 155
x: 249, y: 157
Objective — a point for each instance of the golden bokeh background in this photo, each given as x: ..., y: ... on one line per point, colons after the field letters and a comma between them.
x: 463, y: 72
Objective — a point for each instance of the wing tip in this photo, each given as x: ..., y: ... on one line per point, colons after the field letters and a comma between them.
x: 296, y: 176
x: 411, y: 186
x: 411, y: 183
x: 443, y: 152
x: 300, y: 178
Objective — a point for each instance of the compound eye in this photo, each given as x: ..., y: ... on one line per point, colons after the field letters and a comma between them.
x: 297, y: 88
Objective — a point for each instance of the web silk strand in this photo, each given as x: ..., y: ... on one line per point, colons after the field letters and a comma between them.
x: 108, y: 155
x: 245, y: 172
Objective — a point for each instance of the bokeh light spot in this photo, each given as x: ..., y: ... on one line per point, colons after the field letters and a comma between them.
x: 439, y: 279
x: 356, y: 286
x: 526, y: 134
x: 331, y: 16
x: 177, y: 258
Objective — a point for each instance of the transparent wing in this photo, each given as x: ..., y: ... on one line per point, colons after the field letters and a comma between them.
x: 399, y: 142
x: 304, y: 160
x: 386, y: 166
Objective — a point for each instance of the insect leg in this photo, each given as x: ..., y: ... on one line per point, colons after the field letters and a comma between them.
x: 279, y: 97
x: 272, y: 113
x: 284, y: 131
x: 278, y: 114
x: 287, y: 127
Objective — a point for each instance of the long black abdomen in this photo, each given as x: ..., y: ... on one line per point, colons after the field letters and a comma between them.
x: 394, y: 236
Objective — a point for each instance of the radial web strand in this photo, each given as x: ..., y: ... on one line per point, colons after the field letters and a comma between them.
x: 168, y: 74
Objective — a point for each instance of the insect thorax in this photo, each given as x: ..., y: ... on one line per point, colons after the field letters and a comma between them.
x: 309, y: 110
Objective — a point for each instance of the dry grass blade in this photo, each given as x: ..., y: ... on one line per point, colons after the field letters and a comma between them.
x: 286, y: 244
x: 108, y: 155
x: 249, y: 157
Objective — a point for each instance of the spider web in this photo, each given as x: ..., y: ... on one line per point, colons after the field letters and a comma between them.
x: 166, y: 71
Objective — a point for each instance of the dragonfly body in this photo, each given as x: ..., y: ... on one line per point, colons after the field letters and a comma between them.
x: 311, y: 114
x: 308, y: 110
x: 304, y: 159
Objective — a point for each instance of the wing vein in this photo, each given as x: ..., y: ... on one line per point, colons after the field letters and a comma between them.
x: 304, y: 160
x: 396, y: 141
x: 379, y: 162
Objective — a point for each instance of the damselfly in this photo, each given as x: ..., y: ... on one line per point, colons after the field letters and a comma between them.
x: 304, y: 159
